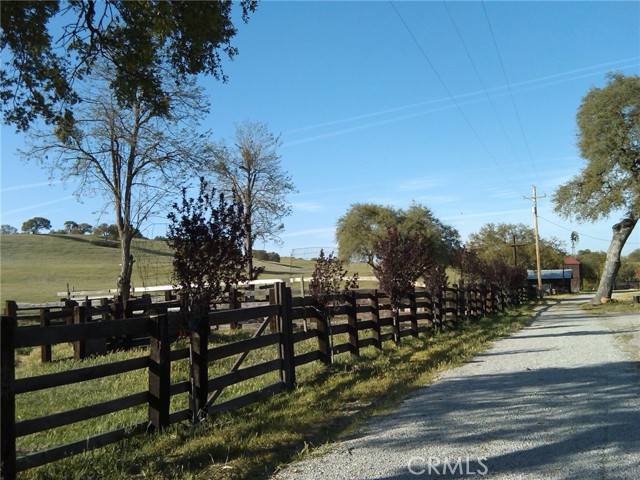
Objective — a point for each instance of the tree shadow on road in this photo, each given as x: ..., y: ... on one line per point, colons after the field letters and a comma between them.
x: 553, y: 422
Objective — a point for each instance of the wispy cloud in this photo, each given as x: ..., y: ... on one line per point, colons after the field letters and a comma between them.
x: 29, y: 186
x: 310, y: 231
x: 506, y: 194
x: 419, y: 184
x: 489, y: 214
x: 38, y: 205
x: 308, y: 206
x: 460, y: 100
x: 431, y: 200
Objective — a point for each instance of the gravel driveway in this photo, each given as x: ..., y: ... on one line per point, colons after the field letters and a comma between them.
x: 558, y: 400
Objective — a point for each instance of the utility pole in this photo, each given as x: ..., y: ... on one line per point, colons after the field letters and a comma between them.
x: 534, y: 197
x: 515, y: 246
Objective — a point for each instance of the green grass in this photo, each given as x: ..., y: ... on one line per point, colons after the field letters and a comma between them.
x: 33, y: 268
x: 253, y: 442
x: 622, y: 301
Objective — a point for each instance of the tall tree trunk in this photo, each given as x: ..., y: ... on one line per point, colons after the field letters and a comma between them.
x: 621, y: 232
x: 248, y: 245
x: 126, y: 265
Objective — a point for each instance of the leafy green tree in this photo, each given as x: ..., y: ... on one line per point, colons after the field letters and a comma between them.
x: 132, y: 156
x: 494, y: 242
x: 628, y: 273
x: 592, y: 266
x: 609, y: 140
x: 266, y: 256
x: 106, y: 231
x: 634, y: 256
x: 70, y: 226
x: 35, y: 224
x: 273, y: 257
x: 251, y: 170
x: 359, y: 229
x: 53, y: 45
x: 364, y: 224
x: 444, y: 239
x: 84, y: 229
x: 8, y: 230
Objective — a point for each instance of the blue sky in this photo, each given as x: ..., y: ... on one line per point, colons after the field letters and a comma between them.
x: 459, y: 106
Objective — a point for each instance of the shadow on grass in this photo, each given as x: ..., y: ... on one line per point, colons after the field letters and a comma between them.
x: 327, y: 404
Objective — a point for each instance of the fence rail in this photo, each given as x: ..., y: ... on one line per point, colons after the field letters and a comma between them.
x: 361, y: 319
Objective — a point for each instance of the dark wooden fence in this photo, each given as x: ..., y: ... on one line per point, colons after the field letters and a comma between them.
x: 363, y: 318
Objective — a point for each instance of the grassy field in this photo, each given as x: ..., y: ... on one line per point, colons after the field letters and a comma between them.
x: 34, y: 268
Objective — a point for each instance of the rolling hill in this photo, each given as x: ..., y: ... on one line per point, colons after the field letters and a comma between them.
x: 34, y: 267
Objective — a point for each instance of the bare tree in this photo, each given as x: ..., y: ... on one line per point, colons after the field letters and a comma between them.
x: 132, y: 156
x: 251, y: 170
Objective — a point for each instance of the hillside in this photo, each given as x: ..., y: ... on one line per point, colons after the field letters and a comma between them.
x: 34, y: 267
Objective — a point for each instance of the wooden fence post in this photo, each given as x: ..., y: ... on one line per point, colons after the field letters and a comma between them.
x: 79, y: 347
x: 437, y: 309
x: 494, y: 299
x: 462, y: 303
x: 10, y: 309
x: 234, y: 303
x: 500, y: 297
x: 352, y: 323
x: 159, y: 369
x: 45, y: 350
x: 453, y: 300
x: 8, y: 396
x: 285, y: 327
x: 70, y: 305
x: 104, y: 308
x: 199, y: 363
x: 375, y: 318
x: 469, y: 303
x: 490, y: 300
x: 324, y: 342
x: 395, y: 325
x: 414, y: 313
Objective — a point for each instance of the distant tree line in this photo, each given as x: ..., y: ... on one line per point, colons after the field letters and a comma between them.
x: 37, y: 224
x: 265, y: 256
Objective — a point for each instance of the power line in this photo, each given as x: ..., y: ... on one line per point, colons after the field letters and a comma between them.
x: 515, y: 108
x: 582, y: 234
x: 484, y: 88
x: 446, y: 88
